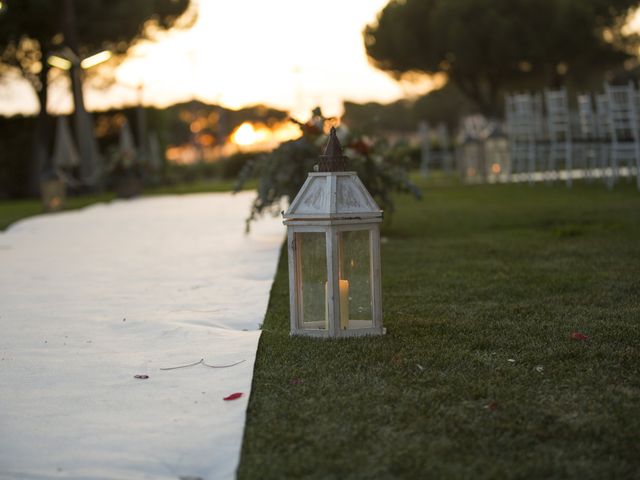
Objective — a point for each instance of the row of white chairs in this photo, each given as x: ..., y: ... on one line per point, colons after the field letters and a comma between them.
x: 599, y: 139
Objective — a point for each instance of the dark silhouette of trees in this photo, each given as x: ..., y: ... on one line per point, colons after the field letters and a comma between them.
x: 485, y: 46
x: 30, y: 30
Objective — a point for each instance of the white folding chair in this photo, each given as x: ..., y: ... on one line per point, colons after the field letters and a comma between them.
x: 442, y: 133
x: 623, y: 125
x: 425, y: 148
x: 524, y: 131
x: 603, y: 132
x: 559, y: 132
x: 587, y: 135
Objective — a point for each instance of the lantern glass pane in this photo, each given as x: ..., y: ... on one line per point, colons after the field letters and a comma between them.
x: 355, y: 279
x: 311, y: 260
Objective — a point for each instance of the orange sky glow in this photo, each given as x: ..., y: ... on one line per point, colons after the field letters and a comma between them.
x: 289, y: 54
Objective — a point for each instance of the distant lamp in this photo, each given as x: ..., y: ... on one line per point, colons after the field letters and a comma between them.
x: 59, y: 62
x: 52, y: 192
x: 471, y: 158
x: 66, y: 59
x: 496, y: 153
x: 333, y: 233
x: 95, y: 59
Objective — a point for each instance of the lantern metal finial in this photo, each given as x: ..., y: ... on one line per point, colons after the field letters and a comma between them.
x: 332, y: 159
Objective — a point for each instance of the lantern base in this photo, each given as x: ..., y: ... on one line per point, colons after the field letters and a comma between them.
x: 356, y: 332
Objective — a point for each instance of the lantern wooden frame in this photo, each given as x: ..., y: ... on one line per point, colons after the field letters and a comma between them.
x: 333, y: 203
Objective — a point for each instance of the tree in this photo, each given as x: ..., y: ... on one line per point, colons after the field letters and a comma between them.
x: 32, y: 29
x: 444, y: 105
x: 485, y: 46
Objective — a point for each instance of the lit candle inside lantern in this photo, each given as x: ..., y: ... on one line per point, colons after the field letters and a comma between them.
x: 344, y: 305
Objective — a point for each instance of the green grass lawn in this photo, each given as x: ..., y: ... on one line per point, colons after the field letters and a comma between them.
x: 13, y: 210
x: 477, y: 376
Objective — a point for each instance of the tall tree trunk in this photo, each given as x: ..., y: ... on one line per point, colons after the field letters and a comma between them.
x: 87, y: 146
x: 40, y: 161
x: 141, y: 126
x: 471, y: 88
x: 493, y: 92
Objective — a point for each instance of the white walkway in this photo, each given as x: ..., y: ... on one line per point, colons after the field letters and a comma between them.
x: 90, y: 298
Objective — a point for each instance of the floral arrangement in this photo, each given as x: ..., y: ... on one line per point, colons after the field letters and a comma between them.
x: 382, y: 168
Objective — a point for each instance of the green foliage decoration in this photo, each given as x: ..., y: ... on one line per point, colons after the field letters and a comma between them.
x: 383, y: 168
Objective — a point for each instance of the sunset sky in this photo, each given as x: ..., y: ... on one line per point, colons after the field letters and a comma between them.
x: 289, y: 54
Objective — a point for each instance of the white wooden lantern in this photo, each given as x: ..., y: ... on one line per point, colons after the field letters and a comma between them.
x: 333, y: 229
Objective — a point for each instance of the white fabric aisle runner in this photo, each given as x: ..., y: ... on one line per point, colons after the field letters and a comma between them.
x: 90, y: 298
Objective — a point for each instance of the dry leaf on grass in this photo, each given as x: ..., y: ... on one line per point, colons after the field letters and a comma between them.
x: 578, y: 336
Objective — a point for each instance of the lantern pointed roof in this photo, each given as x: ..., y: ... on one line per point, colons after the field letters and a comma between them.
x: 331, y: 193
x: 332, y: 159
x: 333, y: 147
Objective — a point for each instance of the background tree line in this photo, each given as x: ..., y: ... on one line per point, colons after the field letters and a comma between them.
x: 486, y: 47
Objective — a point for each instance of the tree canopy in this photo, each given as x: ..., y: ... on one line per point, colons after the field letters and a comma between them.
x: 485, y: 46
x: 445, y: 105
x: 31, y: 29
